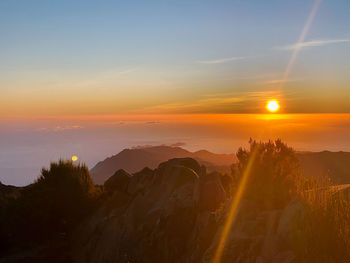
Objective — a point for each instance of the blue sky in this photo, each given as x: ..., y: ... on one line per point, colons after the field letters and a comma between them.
x: 66, y: 65
x: 154, y: 56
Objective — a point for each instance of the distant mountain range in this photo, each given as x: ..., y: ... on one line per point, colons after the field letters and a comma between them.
x: 133, y: 160
x: 173, y: 213
x: 336, y: 165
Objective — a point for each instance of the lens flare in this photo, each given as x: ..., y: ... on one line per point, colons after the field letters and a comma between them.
x: 234, y: 209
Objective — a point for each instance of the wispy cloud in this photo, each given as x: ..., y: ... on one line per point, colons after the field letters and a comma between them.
x: 221, y: 60
x: 127, y: 71
x: 178, y: 144
x: 61, y: 128
x: 243, y: 102
x: 313, y: 43
x: 152, y: 122
x: 278, y: 81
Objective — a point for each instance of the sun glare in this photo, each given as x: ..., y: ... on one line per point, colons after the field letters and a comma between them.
x: 74, y: 158
x: 272, y: 105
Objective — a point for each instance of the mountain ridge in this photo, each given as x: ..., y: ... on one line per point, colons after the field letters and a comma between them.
x: 134, y: 160
x: 335, y: 165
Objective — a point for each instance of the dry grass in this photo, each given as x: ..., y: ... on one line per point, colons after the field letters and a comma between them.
x: 325, y: 229
x: 321, y: 233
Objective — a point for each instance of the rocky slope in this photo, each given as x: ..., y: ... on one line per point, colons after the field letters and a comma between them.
x: 335, y: 165
x: 176, y: 213
x: 133, y: 160
x: 8, y: 192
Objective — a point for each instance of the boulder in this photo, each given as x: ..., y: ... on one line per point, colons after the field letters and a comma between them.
x: 212, y: 193
x: 140, y: 181
x: 177, y: 213
x: 155, y: 225
x: 119, y: 181
x: 185, y: 162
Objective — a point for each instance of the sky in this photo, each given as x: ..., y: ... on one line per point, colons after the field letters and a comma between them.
x: 89, y: 78
x: 27, y: 145
x: 112, y: 57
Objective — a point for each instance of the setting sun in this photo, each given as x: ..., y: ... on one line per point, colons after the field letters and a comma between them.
x: 272, y: 105
x: 175, y: 131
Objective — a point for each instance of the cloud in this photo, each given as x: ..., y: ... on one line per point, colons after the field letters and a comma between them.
x: 221, y: 60
x: 178, y: 144
x: 60, y: 128
x: 152, y: 122
x: 65, y: 128
x: 136, y: 147
x: 313, y: 43
x: 231, y: 102
x: 127, y: 71
x: 278, y: 81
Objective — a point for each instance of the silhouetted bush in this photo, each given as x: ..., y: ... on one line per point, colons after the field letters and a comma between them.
x: 61, y: 197
x: 273, y: 173
x: 321, y: 231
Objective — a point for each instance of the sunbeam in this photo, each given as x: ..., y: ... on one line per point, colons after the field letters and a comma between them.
x: 299, y: 43
x: 234, y: 209
x: 243, y: 183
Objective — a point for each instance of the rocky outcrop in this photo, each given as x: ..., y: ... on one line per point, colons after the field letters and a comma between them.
x: 119, y: 181
x: 176, y: 213
x: 257, y: 235
x: 133, y: 160
x: 8, y: 192
x: 212, y: 193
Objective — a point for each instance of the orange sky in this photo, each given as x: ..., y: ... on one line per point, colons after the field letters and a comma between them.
x: 27, y: 144
x: 194, y: 72
x: 302, y: 130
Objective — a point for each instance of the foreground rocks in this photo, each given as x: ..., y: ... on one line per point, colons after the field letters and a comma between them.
x: 176, y: 213
x: 8, y: 192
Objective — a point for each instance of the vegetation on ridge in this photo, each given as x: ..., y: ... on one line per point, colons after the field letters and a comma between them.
x: 64, y: 195
x: 50, y: 207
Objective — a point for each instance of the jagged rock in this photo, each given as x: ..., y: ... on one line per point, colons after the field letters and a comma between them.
x: 227, y: 183
x: 154, y: 225
x: 212, y: 193
x: 140, y: 181
x: 255, y: 235
x: 293, y: 212
x: 119, y: 181
x: 133, y: 160
x: 284, y: 257
x: 185, y: 162
x: 176, y: 213
x: 8, y: 192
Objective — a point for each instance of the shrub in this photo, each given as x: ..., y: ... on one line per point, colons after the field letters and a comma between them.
x: 53, y: 204
x: 273, y: 170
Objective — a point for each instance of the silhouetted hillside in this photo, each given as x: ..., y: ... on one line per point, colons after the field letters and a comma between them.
x: 335, y: 165
x: 133, y: 160
x: 36, y: 220
x: 179, y: 212
x: 8, y: 192
x: 264, y: 210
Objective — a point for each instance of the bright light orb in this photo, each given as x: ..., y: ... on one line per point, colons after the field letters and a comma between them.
x: 74, y: 158
x: 272, y: 105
